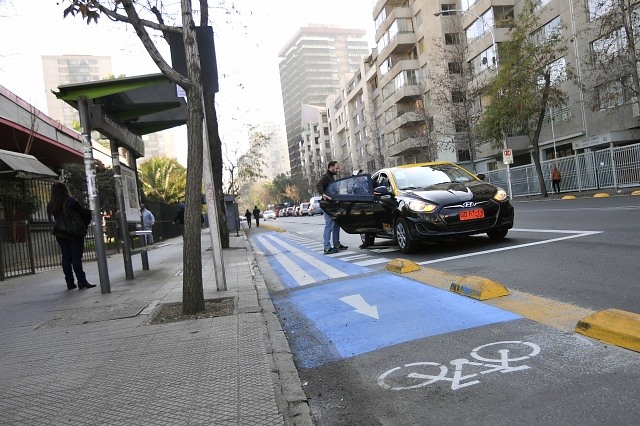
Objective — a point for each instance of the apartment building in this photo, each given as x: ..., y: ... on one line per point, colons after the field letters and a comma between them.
x: 70, y: 69
x: 315, y: 145
x: 409, y: 94
x: 311, y: 64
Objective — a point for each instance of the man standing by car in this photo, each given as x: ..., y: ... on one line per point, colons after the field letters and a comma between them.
x: 331, y: 228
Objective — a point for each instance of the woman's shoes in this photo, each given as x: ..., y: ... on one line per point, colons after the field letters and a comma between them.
x: 85, y: 285
x: 71, y: 286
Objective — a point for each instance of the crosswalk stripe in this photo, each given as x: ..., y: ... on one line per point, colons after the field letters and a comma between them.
x: 375, y: 261
x: 323, y: 267
x: 299, y: 275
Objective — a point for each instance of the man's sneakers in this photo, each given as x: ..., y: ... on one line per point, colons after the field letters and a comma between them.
x: 333, y: 250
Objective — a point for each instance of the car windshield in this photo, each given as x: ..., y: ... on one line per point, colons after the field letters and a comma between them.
x: 426, y: 176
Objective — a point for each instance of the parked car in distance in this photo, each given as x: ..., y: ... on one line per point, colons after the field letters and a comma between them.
x: 289, y: 211
x: 268, y: 214
x: 314, y: 206
x: 304, y: 209
x: 417, y: 203
x: 296, y: 211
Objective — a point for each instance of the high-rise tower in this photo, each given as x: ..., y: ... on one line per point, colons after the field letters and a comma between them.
x: 311, y: 64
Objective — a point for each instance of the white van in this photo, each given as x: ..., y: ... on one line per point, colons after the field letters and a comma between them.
x: 314, y: 206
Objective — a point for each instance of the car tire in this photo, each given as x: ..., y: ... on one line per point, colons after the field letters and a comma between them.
x: 497, y: 234
x: 367, y: 240
x: 403, y: 236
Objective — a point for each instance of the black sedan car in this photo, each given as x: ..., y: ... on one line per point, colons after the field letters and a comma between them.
x: 419, y: 202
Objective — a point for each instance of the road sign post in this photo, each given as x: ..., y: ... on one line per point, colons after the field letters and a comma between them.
x: 507, y: 159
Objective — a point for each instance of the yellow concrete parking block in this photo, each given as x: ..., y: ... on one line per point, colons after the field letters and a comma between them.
x: 569, y: 197
x: 600, y: 195
x: 402, y: 266
x: 614, y: 326
x: 635, y: 193
x: 479, y: 288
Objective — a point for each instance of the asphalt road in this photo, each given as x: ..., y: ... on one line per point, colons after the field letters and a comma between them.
x: 374, y: 347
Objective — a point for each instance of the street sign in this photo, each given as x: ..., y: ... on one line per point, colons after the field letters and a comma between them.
x: 507, y: 156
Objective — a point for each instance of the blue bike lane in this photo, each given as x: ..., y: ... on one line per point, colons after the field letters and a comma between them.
x: 348, y: 310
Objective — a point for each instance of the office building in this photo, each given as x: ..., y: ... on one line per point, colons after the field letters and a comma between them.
x: 311, y: 64
x: 275, y: 154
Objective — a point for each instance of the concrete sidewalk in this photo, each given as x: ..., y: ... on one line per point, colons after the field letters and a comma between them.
x: 80, y: 357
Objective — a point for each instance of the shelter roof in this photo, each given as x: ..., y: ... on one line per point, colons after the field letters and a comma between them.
x: 144, y: 104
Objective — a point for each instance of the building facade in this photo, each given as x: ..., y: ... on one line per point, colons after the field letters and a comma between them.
x: 275, y: 155
x: 311, y: 64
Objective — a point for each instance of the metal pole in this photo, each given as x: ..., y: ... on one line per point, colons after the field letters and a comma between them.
x: 122, y: 215
x: 212, y: 208
x: 92, y: 191
x: 553, y: 134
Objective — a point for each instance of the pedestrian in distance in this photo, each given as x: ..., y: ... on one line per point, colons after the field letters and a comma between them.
x: 147, y: 223
x: 247, y: 214
x: 179, y: 218
x: 256, y: 215
x: 331, y: 229
x: 71, y: 248
x: 556, y: 177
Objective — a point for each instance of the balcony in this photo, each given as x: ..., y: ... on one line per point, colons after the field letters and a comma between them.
x: 401, y: 43
x: 405, y: 119
x: 403, y: 94
x: 407, y: 146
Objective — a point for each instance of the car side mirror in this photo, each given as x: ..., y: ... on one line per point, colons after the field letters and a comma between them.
x: 481, y: 176
x: 381, y: 190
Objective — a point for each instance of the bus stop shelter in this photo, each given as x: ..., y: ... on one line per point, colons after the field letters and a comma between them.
x: 122, y: 110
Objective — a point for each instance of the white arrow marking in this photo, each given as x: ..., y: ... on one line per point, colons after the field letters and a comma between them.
x: 362, y: 307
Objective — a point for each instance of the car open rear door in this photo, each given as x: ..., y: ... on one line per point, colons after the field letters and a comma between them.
x: 352, y: 204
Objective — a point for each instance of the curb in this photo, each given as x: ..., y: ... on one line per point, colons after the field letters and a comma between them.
x: 614, y: 326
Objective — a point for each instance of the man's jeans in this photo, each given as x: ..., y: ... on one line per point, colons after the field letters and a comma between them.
x: 330, y: 227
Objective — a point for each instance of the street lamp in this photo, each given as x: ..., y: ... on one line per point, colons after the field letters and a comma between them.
x: 495, y: 52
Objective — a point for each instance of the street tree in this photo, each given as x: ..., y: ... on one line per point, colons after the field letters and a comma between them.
x: 74, y: 175
x: 531, y: 68
x: 163, y: 179
x: 611, y: 72
x: 145, y: 18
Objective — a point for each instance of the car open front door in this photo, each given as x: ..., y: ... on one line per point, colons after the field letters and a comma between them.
x: 352, y: 204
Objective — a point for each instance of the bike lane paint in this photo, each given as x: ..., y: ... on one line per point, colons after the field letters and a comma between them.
x: 340, y: 316
x: 298, y: 266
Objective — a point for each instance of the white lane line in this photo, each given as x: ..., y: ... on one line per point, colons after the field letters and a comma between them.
x: 298, y: 274
x: 576, y: 234
x: 385, y: 250
x: 370, y: 262
x: 355, y: 256
x: 322, y: 266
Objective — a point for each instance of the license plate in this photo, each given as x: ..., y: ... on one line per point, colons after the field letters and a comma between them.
x: 472, y: 214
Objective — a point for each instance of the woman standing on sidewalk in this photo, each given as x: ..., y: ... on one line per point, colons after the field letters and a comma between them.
x: 71, y: 248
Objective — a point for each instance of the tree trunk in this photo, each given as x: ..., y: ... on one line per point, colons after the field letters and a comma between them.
x: 215, y: 148
x: 192, y: 290
x: 536, y: 135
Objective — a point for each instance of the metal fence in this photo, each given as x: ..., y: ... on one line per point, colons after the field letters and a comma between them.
x: 26, y: 243
x: 607, y: 168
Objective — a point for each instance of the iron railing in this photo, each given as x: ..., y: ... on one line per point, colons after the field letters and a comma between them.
x: 617, y: 167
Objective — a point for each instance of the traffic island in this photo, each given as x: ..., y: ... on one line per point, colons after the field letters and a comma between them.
x: 479, y: 288
x: 614, y: 326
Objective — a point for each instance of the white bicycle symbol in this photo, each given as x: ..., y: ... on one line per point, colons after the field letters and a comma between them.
x: 420, y: 374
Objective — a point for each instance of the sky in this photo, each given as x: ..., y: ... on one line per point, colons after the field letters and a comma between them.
x: 247, y: 45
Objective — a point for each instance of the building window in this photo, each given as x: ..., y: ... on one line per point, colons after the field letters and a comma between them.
x: 460, y: 126
x: 446, y: 8
x: 612, y: 94
x: 457, y: 96
x: 455, y: 67
x: 597, y: 8
x: 452, y: 38
x: 492, y: 165
x: 463, y: 155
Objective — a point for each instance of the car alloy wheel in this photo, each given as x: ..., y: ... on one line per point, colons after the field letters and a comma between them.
x: 403, y: 237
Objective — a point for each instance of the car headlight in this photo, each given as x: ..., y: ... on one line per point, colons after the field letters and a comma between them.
x: 500, y: 195
x: 419, y: 206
